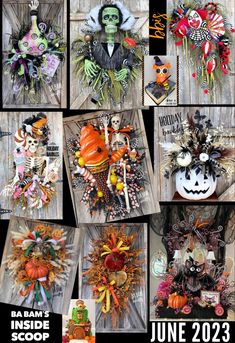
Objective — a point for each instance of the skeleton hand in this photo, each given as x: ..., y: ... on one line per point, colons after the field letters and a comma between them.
x: 16, y: 179
x: 91, y: 68
x: 34, y: 5
x: 121, y: 74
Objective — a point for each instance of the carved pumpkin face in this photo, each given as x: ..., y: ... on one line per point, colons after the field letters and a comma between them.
x: 196, y: 186
x: 194, y: 19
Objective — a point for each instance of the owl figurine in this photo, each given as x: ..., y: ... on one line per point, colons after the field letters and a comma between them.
x: 33, y: 43
x: 162, y: 72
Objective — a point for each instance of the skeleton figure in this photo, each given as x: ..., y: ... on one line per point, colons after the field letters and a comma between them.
x: 118, y: 140
x: 110, y: 55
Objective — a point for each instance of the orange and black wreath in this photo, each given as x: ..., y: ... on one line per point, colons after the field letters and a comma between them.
x: 40, y: 259
x: 116, y: 270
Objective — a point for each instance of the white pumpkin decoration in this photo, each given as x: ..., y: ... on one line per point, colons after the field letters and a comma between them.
x: 184, y: 159
x: 196, y: 187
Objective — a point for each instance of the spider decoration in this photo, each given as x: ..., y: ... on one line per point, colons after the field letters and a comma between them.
x: 37, y: 50
x: 36, y: 174
x: 205, y: 34
x: 111, y: 169
x: 108, y: 65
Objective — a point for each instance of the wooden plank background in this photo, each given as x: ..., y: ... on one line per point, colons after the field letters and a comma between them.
x: 12, y: 121
x: 60, y: 295
x: 219, y: 115
x: 147, y: 198
x: 79, y: 96
x: 189, y: 89
x: 135, y: 320
x: 16, y: 13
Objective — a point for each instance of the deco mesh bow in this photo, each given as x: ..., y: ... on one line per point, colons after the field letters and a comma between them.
x: 39, y: 260
x: 37, y: 50
x: 106, y: 162
x: 116, y: 269
x: 205, y: 35
x: 111, y: 65
x: 33, y: 185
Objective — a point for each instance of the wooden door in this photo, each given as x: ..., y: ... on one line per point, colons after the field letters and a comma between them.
x: 147, y: 199
x: 15, y: 14
x: 133, y: 320
x: 11, y: 122
x: 164, y: 125
x: 60, y: 295
x: 189, y: 89
x: 80, y: 95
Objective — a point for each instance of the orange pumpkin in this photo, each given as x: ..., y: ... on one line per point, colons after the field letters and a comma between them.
x: 177, y: 301
x: 35, y: 269
x: 93, y: 149
x: 117, y: 155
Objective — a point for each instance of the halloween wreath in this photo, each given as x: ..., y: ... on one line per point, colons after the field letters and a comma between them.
x: 116, y: 269
x: 106, y: 157
x: 33, y: 185
x: 199, y: 155
x: 194, y: 285
x: 205, y: 35
x: 37, y: 50
x: 108, y: 66
x: 39, y: 260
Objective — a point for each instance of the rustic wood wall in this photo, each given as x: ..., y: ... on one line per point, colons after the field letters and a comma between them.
x: 12, y: 121
x: 189, y: 90
x: 61, y: 296
x: 148, y: 201
x: 16, y: 13
x: 219, y: 116
x: 79, y: 96
x: 135, y: 320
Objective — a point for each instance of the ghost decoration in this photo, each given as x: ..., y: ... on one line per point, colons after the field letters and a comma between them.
x: 195, y: 186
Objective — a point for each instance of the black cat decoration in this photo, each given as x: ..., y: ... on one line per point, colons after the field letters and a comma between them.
x: 193, y: 277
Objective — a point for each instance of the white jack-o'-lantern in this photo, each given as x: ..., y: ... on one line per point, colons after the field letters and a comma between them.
x: 194, y: 19
x: 195, y: 186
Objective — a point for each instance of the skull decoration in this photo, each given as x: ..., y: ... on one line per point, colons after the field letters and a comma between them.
x: 195, y: 186
x: 110, y: 19
x: 32, y: 144
x: 33, y: 43
x: 194, y: 19
x: 116, y: 121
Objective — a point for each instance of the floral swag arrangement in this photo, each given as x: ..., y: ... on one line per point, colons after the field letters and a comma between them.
x: 39, y: 261
x: 108, y: 66
x: 116, y: 269
x: 37, y: 50
x: 205, y: 35
x: 36, y: 173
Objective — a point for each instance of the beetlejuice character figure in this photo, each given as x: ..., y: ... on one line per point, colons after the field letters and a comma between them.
x: 110, y: 58
x: 35, y: 175
x: 162, y: 72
